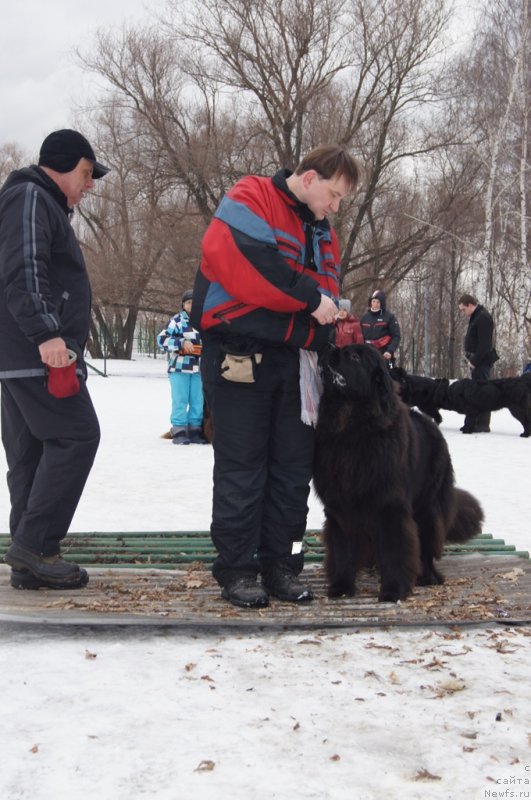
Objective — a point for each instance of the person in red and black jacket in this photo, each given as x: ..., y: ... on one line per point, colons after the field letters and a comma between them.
x: 380, y: 327
x: 265, y: 302
x: 348, y: 329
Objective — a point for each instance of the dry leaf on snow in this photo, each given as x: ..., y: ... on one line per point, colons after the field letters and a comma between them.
x: 451, y: 686
x: 424, y: 775
x: 205, y: 766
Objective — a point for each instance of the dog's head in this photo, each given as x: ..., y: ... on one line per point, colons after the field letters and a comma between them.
x: 359, y: 373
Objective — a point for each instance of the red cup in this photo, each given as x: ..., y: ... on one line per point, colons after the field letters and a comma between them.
x: 63, y: 381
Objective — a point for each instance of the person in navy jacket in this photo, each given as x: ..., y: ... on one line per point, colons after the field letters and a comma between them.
x: 45, y: 297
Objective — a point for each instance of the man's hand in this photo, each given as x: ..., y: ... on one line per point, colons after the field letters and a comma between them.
x: 325, y: 313
x: 54, y: 353
x: 188, y: 346
x: 387, y: 355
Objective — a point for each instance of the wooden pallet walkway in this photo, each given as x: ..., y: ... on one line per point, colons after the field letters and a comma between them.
x: 479, y: 589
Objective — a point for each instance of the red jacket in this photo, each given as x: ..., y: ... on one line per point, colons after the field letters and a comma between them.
x: 348, y: 331
x: 265, y: 261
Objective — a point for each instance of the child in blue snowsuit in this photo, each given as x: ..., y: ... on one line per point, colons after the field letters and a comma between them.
x: 183, y: 345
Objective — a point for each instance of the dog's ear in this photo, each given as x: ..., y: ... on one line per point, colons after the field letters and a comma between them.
x: 385, y: 389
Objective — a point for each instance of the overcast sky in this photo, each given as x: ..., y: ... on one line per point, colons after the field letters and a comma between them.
x: 40, y: 82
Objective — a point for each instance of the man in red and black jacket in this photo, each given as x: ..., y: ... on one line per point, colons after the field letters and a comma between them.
x: 265, y: 300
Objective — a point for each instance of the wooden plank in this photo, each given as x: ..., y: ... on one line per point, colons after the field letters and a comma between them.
x: 479, y: 589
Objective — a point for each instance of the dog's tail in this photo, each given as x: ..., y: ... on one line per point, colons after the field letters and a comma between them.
x: 468, y: 517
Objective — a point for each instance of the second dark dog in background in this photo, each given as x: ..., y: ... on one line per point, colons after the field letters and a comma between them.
x: 467, y: 396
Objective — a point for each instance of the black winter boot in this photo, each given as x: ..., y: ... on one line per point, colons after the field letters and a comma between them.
x: 283, y: 584
x: 23, y: 579
x: 181, y: 437
x: 245, y: 592
x: 196, y: 436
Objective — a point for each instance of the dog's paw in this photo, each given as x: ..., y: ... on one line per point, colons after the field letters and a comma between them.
x: 392, y: 593
x: 430, y: 576
x: 338, y: 590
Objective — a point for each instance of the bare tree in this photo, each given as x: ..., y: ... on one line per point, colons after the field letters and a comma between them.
x: 11, y: 157
x: 130, y: 227
x: 497, y: 90
x: 229, y: 87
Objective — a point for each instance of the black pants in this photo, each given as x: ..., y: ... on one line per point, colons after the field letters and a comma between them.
x: 475, y: 421
x: 263, y: 464
x: 50, y: 447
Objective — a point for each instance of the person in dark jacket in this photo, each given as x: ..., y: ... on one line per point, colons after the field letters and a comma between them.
x: 380, y: 327
x: 348, y: 330
x: 265, y: 303
x: 479, y: 353
x: 50, y: 431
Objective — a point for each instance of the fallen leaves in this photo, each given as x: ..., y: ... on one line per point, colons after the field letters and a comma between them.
x: 513, y: 575
x: 451, y: 686
x: 424, y: 775
x: 502, y: 647
x: 435, y: 663
x: 447, y: 687
x: 205, y: 766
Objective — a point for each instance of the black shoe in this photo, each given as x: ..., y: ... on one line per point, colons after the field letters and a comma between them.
x: 464, y: 429
x: 245, y: 592
x: 284, y: 585
x: 181, y: 438
x: 196, y: 437
x: 54, y: 570
x: 22, y: 579
x: 482, y: 429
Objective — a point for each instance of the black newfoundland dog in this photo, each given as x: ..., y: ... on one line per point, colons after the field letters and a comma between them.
x: 467, y: 396
x: 384, y: 475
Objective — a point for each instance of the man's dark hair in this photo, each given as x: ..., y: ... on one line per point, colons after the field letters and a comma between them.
x: 467, y: 300
x: 329, y: 160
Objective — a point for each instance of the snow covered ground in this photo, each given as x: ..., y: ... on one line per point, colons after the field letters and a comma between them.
x: 360, y: 715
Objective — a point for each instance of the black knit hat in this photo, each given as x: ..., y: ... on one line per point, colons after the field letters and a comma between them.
x: 62, y: 151
x: 378, y: 295
x: 187, y: 295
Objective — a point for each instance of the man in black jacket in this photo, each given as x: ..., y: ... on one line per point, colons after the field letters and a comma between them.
x: 479, y: 354
x: 50, y: 441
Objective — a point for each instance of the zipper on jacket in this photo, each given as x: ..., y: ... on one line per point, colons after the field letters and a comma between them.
x: 64, y: 297
x: 222, y: 315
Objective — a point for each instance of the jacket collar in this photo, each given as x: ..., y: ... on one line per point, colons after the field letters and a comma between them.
x: 279, y: 180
